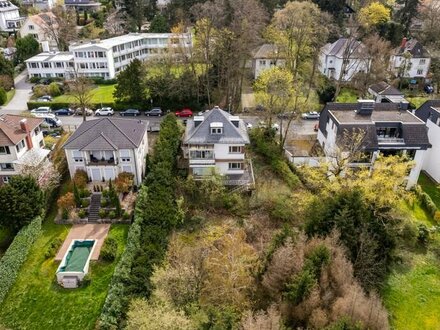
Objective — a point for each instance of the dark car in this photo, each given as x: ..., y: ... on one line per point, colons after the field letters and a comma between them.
x: 64, y: 112
x: 429, y: 89
x: 286, y: 115
x: 43, y: 98
x: 154, y: 112
x: 184, y: 113
x: 130, y: 112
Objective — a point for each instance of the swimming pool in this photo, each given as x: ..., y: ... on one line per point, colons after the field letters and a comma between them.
x: 75, y: 263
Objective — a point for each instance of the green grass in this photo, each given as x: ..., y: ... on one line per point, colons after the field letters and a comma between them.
x: 417, y: 100
x: 347, y: 95
x: 430, y: 187
x: 102, y: 93
x: 9, y: 96
x: 36, y: 301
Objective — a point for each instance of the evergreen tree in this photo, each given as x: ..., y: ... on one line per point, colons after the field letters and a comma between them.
x: 26, y: 48
x: 159, y: 24
x: 406, y: 14
x: 130, y: 84
x: 76, y: 195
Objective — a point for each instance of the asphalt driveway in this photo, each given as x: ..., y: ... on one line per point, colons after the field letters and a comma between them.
x: 23, y: 92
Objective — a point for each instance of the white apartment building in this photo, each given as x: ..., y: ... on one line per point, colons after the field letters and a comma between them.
x: 21, y: 143
x: 34, y: 25
x: 108, y: 146
x: 348, y: 55
x: 106, y: 58
x: 386, y: 129
x: 39, y: 4
x: 10, y: 19
x: 51, y: 64
x: 419, y: 59
x: 215, y: 144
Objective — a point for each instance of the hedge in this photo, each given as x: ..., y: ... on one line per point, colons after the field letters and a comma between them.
x: 16, y: 255
x: 426, y: 201
x: 60, y: 105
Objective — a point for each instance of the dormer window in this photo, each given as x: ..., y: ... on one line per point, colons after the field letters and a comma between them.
x: 216, y: 128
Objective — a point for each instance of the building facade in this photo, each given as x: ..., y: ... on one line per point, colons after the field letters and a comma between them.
x: 266, y: 57
x: 385, y: 129
x: 21, y: 143
x: 51, y: 64
x: 429, y: 112
x: 35, y: 26
x: 344, y: 59
x: 39, y: 4
x: 385, y: 93
x: 106, y: 58
x: 106, y: 147
x: 410, y: 60
x: 215, y: 144
x: 10, y: 19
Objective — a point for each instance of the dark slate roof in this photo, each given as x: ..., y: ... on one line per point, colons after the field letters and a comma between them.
x: 107, y: 134
x: 339, y: 46
x: 428, y: 110
x: 202, y: 133
x: 268, y: 51
x: 414, y: 47
x: 414, y: 131
x: 383, y: 88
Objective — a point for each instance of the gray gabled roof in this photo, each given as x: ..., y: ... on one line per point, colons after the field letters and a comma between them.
x: 107, y: 134
x: 268, y: 51
x: 202, y: 133
x: 356, y: 49
x: 429, y: 109
x: 383, y: 88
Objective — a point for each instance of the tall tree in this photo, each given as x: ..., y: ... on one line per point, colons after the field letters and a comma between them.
x: 21, y: 200
x: 80, y: 88
x: 61, y: 27
x: 159, y: 24
x: 130, y: 83
x: 430, y: 13
x: 26, y: 48
x: 139, y: 11
x: 373, y: 14
x: 408, y: 11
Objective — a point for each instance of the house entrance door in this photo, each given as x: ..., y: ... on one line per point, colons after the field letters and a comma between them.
x: 96, y: 174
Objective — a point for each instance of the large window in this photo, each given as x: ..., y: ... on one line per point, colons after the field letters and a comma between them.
x: 235, y: 166
x: 388, y: 132
x: 5, y: 150
x: 201, y: 154
x: 6, y: 166
x: 235, y: 150
x: 20, y: 146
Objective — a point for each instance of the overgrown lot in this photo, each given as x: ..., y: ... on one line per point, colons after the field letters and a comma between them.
x: 36, y: 301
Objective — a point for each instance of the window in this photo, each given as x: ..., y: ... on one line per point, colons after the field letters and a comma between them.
x: 262, y: 62
x: 35, y: 36
x: 100, y: 54
x: 5, y: 179
x: 235, y: 166
x: 31, y: 27
x: 58, y: 64
x: 20, y: 145
x: 216, y: 130
x: 41, y: 143
x: 37, y: 130
x: 235, y: 150
x: 201, y: 154
x: 83, y: 65
x: 79, y: 54
x: 90, y: 54
x: 422, y: 61
x: 46, y: 65
x: 5, y: 150
x: 420, y: 71
x: 33, y: 65
x: 6, y: 166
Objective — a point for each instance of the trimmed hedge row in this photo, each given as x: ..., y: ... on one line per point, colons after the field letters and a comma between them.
x: 16, y: 255
x: 61, y: 105
x: 264, y: 144
x: 426, y: 201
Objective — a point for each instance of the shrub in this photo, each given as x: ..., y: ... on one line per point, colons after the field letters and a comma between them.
x: 104, y: 202
x: 3, y: 96
x: 6, y: 82
x: 102, y: 213
x: 85, y: 193
x: 426, y: 201
x: 76, y: 195
x: 16, y: 255
x: 80, y: 179
x: 53, y: 248
x: 54, y: 89
x: 109, y: 249
x: 124, y: 182
x: 423, y: 234
x: 105, y: 193
x: 126, y: 215
x: 85, y: 203
x: 112, y: 214
x: 66, y: 202
x: 82, y: 214
x: 437, y: 216
x: 40, y: 90
x: 65, y: 214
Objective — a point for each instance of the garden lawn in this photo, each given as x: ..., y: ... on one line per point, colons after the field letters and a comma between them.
x: 417, y: 100
x: 102, y: 93
x: 9, y: 96
x: 36, y: 301
x: 430, y: 187
x: 347, y: 95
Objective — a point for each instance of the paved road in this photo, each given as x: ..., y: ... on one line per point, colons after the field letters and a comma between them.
x: 23, y: 92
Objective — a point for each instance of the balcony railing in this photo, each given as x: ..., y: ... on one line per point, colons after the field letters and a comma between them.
x: 390, y: 140
x: 102, y: 162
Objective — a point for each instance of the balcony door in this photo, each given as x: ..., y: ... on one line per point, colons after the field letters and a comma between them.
x: 96, y: 174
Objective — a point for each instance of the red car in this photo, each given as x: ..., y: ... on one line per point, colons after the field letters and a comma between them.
x: 184, y: 113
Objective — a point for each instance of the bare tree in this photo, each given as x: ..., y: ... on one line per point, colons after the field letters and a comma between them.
x: 61, y: 27
x: 80, y: 88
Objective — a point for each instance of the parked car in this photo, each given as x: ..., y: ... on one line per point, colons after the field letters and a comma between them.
x: 184, y: 113
x: 429, y: 89
x: 50, y: 120
x: 248, y: 125
x: 64, y: 112
x: 45, y: 98
x: 310, y: 115
x: 154, y: 112
x: 262, y: 124
x: 79, y: 112
x: 106, y: 111
x: 201, y: 113
x: 130, y: 112
x: 42, y: 110
x: 286, y: 115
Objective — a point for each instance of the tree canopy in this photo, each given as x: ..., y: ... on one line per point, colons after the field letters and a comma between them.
x: 130, y: 85
x: 26, y: 48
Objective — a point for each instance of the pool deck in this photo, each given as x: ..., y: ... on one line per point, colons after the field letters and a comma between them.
x: 89, y: 231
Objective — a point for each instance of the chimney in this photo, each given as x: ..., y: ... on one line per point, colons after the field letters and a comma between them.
x: 45, y: 46
x: 403, y: 44
x: 235, y: 120
x: 25, y: 127
x: 365, y: 107
x: 198, y: 120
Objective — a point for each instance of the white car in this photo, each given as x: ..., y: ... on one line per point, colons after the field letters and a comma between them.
x: 42, y: 110
x: 248, y: 125
x: 107, y: 111
x: 310, y: 115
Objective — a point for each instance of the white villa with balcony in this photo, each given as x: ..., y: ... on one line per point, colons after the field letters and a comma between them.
x: 215, y: 144
x: 21, y: 143
x: 108, y: 146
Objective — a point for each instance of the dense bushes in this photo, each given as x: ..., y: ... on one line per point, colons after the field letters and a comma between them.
x: 3, y: 96
x: 265, y: 145
x: 426, y: 201
x: 16, y: 254
x: 114, y: 105
x: 109, y: 249
x: 155, y: 215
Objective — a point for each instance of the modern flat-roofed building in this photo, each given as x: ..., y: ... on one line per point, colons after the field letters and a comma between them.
x: 51, y: 65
